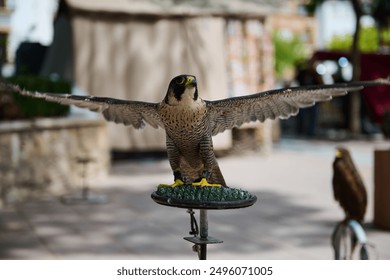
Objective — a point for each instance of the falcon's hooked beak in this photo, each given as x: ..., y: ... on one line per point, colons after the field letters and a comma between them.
x: 190, y: 81
x: 191, y: 85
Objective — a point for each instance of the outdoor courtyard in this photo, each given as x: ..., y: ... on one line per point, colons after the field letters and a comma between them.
x: 293, y: 217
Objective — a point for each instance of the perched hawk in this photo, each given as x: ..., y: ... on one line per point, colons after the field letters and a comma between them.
x: 348, y: 187
x: 190, y: 121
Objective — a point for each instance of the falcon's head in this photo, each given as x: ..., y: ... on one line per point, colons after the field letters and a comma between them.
x: 182, y: 90
x: 342, y: 152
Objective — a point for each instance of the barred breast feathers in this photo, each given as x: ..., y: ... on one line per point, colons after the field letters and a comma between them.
x: 187, y: 116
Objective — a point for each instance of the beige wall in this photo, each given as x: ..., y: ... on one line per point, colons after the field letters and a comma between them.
x: 134, y: 57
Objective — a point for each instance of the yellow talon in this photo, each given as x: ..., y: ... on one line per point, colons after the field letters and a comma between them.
x: 177, y: 183
x: 204, y: 183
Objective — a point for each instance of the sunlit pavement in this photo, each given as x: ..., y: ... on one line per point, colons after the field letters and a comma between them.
x: 293, y: 218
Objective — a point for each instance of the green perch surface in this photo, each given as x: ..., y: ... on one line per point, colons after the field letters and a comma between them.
x: 189, y: 196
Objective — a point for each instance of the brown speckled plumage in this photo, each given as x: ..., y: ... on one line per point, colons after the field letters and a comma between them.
x: 189, y: 142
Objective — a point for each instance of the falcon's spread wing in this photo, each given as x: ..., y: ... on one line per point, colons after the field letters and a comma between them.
x: 281, y: 103
x: 127, y: 112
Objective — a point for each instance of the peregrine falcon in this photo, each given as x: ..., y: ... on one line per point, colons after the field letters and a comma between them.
x: 190, y: 122
x: 348, y: 186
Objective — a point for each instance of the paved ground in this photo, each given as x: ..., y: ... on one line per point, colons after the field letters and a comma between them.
x: 292, y: 219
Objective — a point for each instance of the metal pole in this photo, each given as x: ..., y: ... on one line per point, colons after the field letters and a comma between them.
x: 200, y: 232
x: 204, y: 232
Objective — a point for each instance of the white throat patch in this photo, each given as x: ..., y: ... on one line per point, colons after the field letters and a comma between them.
x: 187, y: 98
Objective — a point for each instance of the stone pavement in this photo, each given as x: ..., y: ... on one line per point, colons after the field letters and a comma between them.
x: 292, y: 219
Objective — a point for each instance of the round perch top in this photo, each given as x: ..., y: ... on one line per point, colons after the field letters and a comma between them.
x: 193, y: 197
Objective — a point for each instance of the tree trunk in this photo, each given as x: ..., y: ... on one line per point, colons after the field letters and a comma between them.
x: 355, y: 98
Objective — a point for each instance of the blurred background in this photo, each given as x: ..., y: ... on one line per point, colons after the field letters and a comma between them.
x: 130, y: 49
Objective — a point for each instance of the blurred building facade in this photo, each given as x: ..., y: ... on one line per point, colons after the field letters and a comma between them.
x: 131, y: 49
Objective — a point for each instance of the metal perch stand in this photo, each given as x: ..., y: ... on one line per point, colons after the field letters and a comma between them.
x: 346, y: 236
x: 200, y: 232
x: 201, y: 238
x: 85, y: 196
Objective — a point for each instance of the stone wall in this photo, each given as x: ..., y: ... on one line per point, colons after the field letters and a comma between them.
x: 43, y: 156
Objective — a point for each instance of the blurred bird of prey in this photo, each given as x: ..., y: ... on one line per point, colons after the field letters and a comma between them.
x: 348, y: 186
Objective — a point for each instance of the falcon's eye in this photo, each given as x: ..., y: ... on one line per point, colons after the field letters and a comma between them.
x: 180, y: 81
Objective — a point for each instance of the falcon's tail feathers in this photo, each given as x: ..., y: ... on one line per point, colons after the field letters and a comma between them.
x: 216, y: 176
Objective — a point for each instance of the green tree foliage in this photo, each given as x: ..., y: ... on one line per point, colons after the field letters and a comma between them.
x: 368, y: 40
x: 31, y: 107
x: 289, y: 50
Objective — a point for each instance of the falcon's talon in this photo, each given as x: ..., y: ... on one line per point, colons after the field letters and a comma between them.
x: 203, y: 183
x: 177, y: 183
